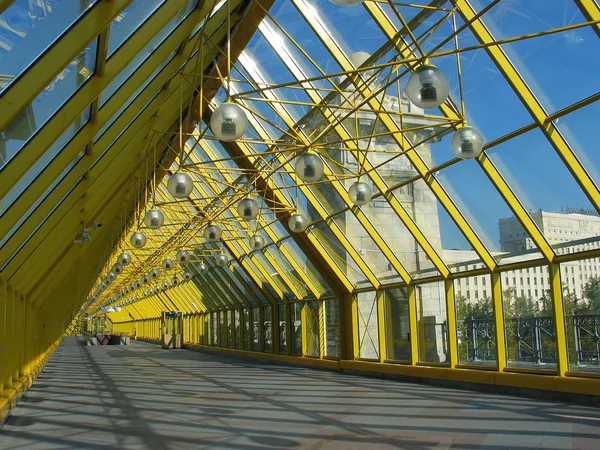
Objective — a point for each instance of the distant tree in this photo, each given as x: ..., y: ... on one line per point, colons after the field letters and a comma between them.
x: 591, y: 291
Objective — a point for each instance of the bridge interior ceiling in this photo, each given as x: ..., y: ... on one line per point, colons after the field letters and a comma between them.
x: 471, y: 223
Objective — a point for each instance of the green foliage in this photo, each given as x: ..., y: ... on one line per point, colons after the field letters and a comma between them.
x: 591, y: 291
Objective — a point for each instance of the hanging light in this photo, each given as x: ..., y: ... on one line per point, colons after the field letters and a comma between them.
x: 257, y: 242
x: 187, y: 275
x: 138, y: 240
x: 124, y: 259
x: 183, y: 257
x: 166, y: 285
x: 180, y: 185
x: 175, y: 281
x: 111, y: 276
x: 221, y: 260
x: 145, y: 279
x: 212, y: 233
x: 427, y: 87
x: 467, y: 142
x: 138, y: 284
x: 298, y: 223
x: 347, y: 2
x: 309, y: 167
x: 168, y: 264
x: 248, y: 209
x: 229, y: 122
x: 360, y: 193
x: 155, y: 274
x: 157, y: 289
x: 117, y: 268
x: 203, y: 268
x: 154, y: 219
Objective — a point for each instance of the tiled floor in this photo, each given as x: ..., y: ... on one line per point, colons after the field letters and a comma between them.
x: 141, y: 396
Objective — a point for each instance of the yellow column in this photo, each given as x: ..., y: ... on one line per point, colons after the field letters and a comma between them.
x: 412, y: 325
x: 382, y: 335
x: 287, y: 313
x: 3, y: 336
x: 451, y: 314
x: 261, y: 328
x: 499, y: 322
x: 321, y: 328
x: 562, y: 361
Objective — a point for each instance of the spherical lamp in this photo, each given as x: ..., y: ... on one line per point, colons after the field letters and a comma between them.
x: 467, y: 143
x: 298, y: 223
x: 166, y: 285
x: 187, y: 275
x: 347, y: 2
x: 157, y: 289
x: 309, y: 167
x: 221, y: 260
x: 203, y: 268
x: 427, y: 87
x: 145, y: 279
x: 248, y: 209
x: 138, y: 240
x: 155, y: 274
x: 183, y: 257
x: 168, y: 264
x: 360, y: 193
x: 257, y: 242
x: 111, y: 276
x: 212, y: 233
x: 138, y: 284
x: 124, y: 259
x: 175, y: 281
x: 180, y: 185
x: 117, y: 268
x: 154, y: 219
x: 229, y: 122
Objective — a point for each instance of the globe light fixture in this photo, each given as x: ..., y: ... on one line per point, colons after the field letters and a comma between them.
x: 187, y: 275
x: 203, y: 268
x: 166, y: 285
x: 347, y: 2
x: 427, y: 87
x: 157, y: 289
x: 168, y: 264
x: 229, y: 122
x: 124, y: 259
x: 183, y: 257
x: 298, y: 223
x: 138, y: 284
x: 212, y: 233
x: 117, y: 268
x: 467, y: 142
x: 154, y: 219
x: 175, y: 281
x: 257, y: 242
x: 145, y: 279
x: 248, y: 209
x: 309, y: 167
x: 180, y: 185
x: 221, y: 260
x: 111, y: 276
x: 360, y: 193
x: 155, y: 274
x: 138, y: 240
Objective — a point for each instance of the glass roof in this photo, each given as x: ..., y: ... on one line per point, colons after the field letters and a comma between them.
x: 103, y: 136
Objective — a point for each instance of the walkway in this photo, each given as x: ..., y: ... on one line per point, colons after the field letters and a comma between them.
x: 140, y: 396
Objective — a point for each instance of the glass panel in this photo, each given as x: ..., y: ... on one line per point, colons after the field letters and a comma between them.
x: 528, y: 319
x: 332, y: 328
x: 229, y: 316
x: 307, y: 266
x: 432, y: 322
x: 238, y: 329
x: 268, y: 329
x: 246, y: 325
x: 476, y: 332
x: 397, y: 324
x: 282, y: 330
x: 29, y: 28
x: 255, y: 330
x: 296, y: 328
x: 45, y: 105
x: 580, y: 281
x: 215, y: 330
x: 129, y: 20
x: 368, y: 334
x: 312, y: 328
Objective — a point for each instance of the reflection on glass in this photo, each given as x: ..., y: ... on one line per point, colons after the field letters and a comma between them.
x: 312, y: 328
x: 580, y: 282
x: 255, y: 330
x: 332, y: 328
x: 28, y: 27
x: 238, y: 329
x: 268, y: 329
x: 215, y: 330
x: 368, y: 330
x: 229, y: 318
x: 475, y: 320
x: 45, y: 105
x: 432, y: 323
x: 282, y: 330
x: 296, y: 324
x: 128, y: 21
x: 246, y: 325
x: 397, y: 324
x: 528, y: 319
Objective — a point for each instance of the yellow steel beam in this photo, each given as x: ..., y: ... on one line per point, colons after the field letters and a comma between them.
x: 5, y: 4
x: 60, y: 54
x: 591, y: 12
x: 530, y: 102
x: 558, y: 309
x: 499, y: 322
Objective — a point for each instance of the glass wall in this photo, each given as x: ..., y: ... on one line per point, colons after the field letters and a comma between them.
x: 397, y: 324
x: 296, y: 309
x: 432, y: 322
x: 331, y: 331
x: 238, y: 329
x: 312, y: 328
x: 246, y: 326
x: 255, y: 330
x: 282, y: 330
x: 268, y: 330
x: 368, y: 333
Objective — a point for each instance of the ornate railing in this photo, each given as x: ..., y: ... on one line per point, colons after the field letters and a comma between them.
x: 531, y: 339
